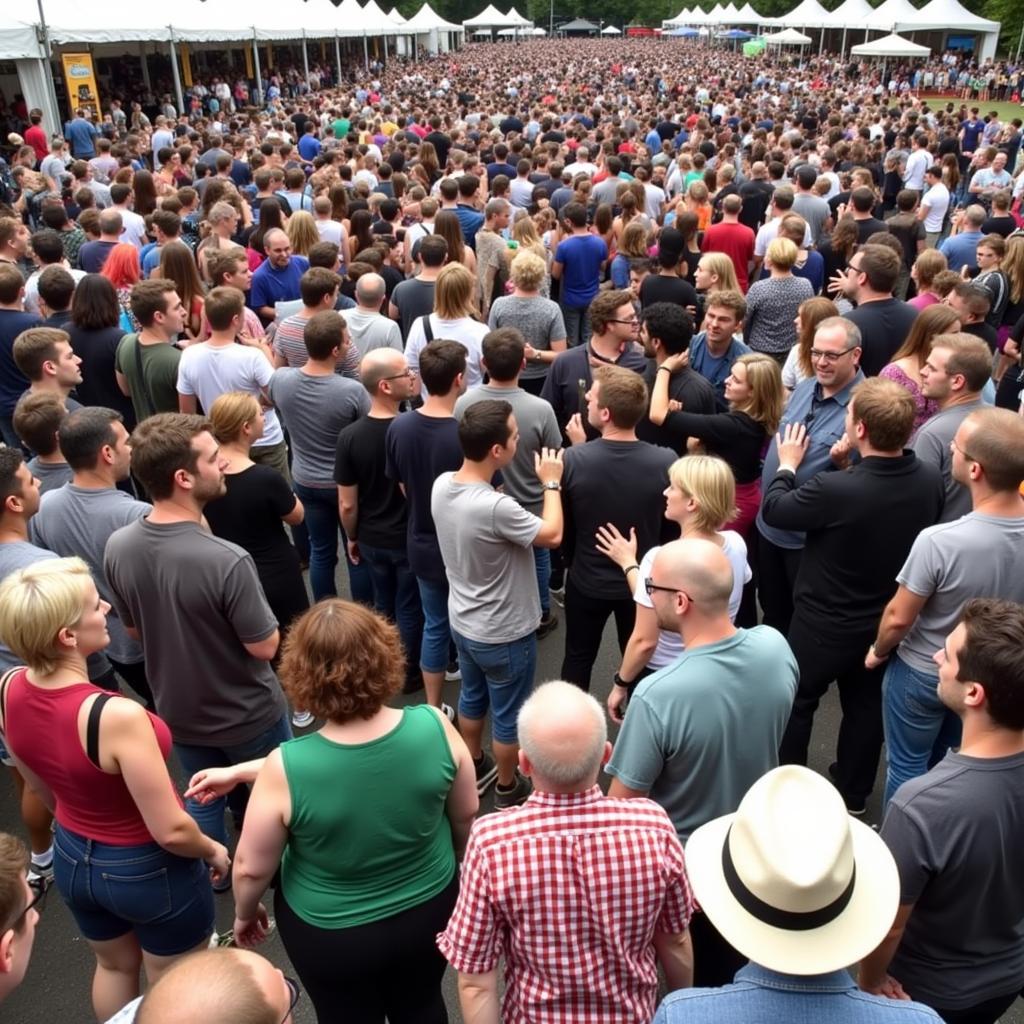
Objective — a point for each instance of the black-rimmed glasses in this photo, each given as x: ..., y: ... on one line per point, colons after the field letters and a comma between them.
x: 650, y: 586
x: 819, y: 355
x: 38, y: 901
x: 293, y: 997
x: 407, y: 374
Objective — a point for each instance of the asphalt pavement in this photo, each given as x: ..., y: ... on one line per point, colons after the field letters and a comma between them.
x: 58, y: 981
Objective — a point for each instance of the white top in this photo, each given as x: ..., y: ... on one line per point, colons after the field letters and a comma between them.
x: 670, y: 644
x: 937, y: 201
x: 466, y: 330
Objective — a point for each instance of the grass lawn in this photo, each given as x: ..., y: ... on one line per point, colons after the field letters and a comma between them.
x: 1007, y: 111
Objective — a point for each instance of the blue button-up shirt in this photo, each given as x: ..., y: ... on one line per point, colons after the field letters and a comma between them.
x: 825, y: 420
x: 760, y: 996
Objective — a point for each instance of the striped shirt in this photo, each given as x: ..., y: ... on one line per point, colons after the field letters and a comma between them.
x: 570, y: 889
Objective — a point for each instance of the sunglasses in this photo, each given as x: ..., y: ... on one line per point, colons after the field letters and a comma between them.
x: 37, y: 902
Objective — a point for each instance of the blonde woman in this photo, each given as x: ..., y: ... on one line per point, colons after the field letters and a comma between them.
x: 525, y: 234
x: 715, y: 273
x: 453, y: 318
x: 701, y: 498
x: 133, y: 868
x: 756, y: 398
x: 772, y: 303
x: 223, y: 222
x: 302, y: 232
x: 536, y: 317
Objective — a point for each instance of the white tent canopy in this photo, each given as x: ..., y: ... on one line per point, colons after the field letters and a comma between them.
x: 516, y: 18
x: 611, y: 30
x: 893, y: 15
x: 890, y: 46
x: 489, y: 17
x: 807, y: 14
x: 787, y: 37
x: 18, y: 40
x: 395, y: 15
x: 945, y: 14
x: 427, y: 20
x: 852, y: 14
x: 509, y: 32
x: 746, y: 15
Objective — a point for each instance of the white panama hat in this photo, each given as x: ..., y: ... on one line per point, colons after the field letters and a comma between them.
x: 791, y: 880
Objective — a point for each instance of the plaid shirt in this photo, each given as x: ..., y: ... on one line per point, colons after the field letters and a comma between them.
x: 570, y: 888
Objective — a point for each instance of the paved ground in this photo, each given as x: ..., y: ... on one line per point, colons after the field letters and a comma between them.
x: 57, y: 985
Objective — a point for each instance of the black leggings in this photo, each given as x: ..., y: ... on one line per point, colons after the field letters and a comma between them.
x: 390, y: 968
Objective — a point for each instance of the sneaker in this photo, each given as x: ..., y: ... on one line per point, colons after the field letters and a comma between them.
x: 452, y: 674
x: 448, y: 711
x: 40, y: 878
x: 303, y: 719
x: 486, y: 773
x: 548, y: 624
x: 504, y: 798
x: 558, y: 595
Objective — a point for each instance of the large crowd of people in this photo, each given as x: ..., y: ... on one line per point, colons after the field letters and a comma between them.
x: 524, y: 338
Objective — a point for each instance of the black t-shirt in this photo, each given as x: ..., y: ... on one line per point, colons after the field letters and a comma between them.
x: 1004, y: 226
x: 688, y: 387
x: 866, y: 228
x: 884, y: 326
x: 98, y: 350
x: 661, y: 288
x: 392, y: 279
x: 250, y: 515
x: 756, y: 196
x: 441, y: 144
x: 360, y: 462
x: 983, y: 330
x: 414, y: 298
x: 511, y: 124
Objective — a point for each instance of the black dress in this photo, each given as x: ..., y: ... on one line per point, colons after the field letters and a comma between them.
x: 249, y: 515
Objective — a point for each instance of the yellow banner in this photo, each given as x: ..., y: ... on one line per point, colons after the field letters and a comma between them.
x: 80, y: 79
x: 186, y: 65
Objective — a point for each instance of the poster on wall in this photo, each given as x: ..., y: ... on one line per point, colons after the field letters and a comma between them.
x: 80, y: 77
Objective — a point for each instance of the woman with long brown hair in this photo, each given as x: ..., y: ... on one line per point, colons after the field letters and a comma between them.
x: 837, y: 250
x: 447, y: 225
x: 178, y: 265
x: 798, y: 365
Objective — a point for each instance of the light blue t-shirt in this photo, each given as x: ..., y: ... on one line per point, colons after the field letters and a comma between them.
x: 700, y: 732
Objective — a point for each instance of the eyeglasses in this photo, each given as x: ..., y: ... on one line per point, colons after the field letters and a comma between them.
x: 293, y: 997
x: 650, y: 586
x: 38, y: 901
x: 409, y: 374
x: 631, y: 320
x: 953, y: 446
x: 820, y: 355
x: 850, y: 267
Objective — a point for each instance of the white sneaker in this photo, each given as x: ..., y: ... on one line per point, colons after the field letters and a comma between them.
x: 303, y: 719
x: 452, y: 674
x: 448, y: 711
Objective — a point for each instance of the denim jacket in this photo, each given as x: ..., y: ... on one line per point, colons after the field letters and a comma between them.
x: 761, y: 996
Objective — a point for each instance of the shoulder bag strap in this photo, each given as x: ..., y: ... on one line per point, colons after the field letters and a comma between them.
x: 428, y: 331
x: 4, y: 684
x: 92, y: 728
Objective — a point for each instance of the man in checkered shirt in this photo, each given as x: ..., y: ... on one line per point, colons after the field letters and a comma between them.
x: 582, y: 895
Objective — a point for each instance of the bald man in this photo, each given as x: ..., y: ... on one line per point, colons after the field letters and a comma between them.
x: 369, y: 328
x: 569, y: 862
x: 229, y: 986
x: 701, y: 731
x: 277, y: 277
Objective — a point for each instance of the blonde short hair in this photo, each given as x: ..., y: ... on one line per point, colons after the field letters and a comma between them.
x: 528, y: 271
x: 230, y: 413
x: 710, y: 482
x: 453, y: 292
x: 36, y: 603
x: 782, y: 253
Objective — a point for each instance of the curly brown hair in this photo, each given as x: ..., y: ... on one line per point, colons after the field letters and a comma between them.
x: 342, y: 661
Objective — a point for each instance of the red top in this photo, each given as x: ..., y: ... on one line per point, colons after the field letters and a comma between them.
x: 570, y: 888
x: 42, y: 730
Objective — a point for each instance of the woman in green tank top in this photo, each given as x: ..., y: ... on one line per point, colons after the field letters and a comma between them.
x: 365, y: 818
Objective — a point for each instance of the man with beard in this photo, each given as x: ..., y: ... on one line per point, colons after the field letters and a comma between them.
x: 195, y: 603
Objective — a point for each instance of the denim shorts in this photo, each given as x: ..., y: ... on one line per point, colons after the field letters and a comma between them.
x: 498, y: 676
x: 166, y: 900
x: 5, y: 757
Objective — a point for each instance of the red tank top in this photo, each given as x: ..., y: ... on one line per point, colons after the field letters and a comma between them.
x: 42, y: 728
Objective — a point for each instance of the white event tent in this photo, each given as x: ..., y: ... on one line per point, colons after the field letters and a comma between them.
x: 892, y: 45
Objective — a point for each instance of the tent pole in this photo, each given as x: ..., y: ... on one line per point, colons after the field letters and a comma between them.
x: 256, y: 65
x: 1020, y: 42
x: 177, y: 77
x: 366, y: 53
x: 51, y: 92
x: 842, y: 52
x: 337, y: 58
x: 305, y: 58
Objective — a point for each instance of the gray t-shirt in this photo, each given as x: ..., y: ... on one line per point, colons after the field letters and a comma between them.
x: 538, y: 429
x: 14, y: 556
x: 315, y: 410
x: 702, y: 731
x: 814, y: 210
x: 932, y: 445
x: 50, y: 475
x: 539, y: 320
x: 196, y: 599
x: 413, y: 298
x: 951, y: 563
x: 486, y: 542
x: 372, y: 330
x: 957, y: 835
x: 79, y: 521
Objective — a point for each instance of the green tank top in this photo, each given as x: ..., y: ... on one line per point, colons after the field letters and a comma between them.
x: 369, y: 836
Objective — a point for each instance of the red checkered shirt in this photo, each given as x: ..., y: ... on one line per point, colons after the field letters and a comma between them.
x: 570, y: 888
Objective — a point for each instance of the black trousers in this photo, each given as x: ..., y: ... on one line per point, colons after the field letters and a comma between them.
x: 350, y: 973
x: 776, y: 574
x: 822, y: 660
x: 987, y: 1012
x: 585, y: 619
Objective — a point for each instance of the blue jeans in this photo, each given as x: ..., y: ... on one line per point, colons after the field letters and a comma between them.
x: 210, y: 817
x: 396, y: 595
x: 542, y: 562
x: 323, y: 522
x: 577, y: 324
x: 164, y: 899
x: 496, y: 676
x: 919, y: 728
x: 437, y: 636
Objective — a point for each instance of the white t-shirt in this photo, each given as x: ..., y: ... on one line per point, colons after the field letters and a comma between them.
x: 937, y: 201
x: 330, y: 231
x: 133, y: 228
x: 209, y: 371
x: 670, y: 645
x: 468, y: 331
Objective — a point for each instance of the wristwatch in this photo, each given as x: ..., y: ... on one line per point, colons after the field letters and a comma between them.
x: 619, y: 681
x: 552, y: 485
